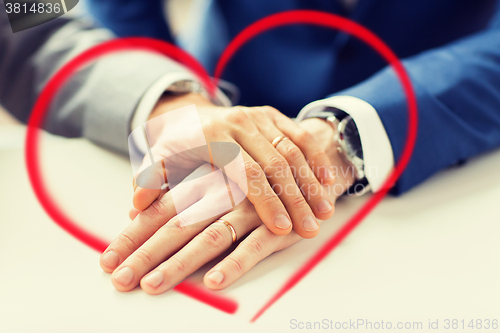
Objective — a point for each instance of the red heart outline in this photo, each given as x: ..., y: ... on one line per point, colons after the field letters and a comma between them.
x: 324, y: 19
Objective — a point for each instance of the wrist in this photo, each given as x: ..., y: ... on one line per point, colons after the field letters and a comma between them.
x: 324, y: 135
x: 169, y: 102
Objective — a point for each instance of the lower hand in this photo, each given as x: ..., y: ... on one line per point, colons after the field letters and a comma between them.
x: 167, y: 253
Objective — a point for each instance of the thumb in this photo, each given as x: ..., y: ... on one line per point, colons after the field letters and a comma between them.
x: 148, y: 185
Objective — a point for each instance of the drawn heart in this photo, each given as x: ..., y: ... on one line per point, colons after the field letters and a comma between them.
x: 29, y: 14
x: 276, y: 20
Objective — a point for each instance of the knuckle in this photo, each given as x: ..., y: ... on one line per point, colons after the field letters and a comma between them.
x: 212, y: 237
x: 251, y: 169
x: 303, y: 135
x: 269, y: 110
x: 144, y: 256
x: 237, y: 116
x: 278, y: 163
x: 255, y: 246
x: 298, y: 201
x: 258, y: 115
x: 128, y: 241
x: 292, y: 153
x: 178, y: 263
x: 156, y: 209
x: 267, y: 199
x: 318, y: 155
x: 212, y: 127
x: 252, y: 111
x: 235, y: 264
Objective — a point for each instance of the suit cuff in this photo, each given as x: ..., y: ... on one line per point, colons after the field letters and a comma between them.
x: 113, y: 89
x: 153, y: 94
x: 377, y: 149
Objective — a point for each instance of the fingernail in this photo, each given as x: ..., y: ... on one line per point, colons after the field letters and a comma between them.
x: 216, y: 277
x: 310, y: 224
x: 124, y: 276
x: 154, y: 279
x: 331, y: 174
x: 110, y: 259
x: 324, y: 206
x: 282, y: 221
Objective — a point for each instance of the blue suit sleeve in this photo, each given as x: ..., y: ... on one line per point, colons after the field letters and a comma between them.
x: 458, y: 93
x: 132, y: 17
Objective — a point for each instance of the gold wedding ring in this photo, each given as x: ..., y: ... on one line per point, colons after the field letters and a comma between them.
x: 164, y: 171
x: 164, y: 188
x: 230, y: 227
x: 277, y: 141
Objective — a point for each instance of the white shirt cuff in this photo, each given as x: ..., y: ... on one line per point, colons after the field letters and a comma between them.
x: 377, y: 149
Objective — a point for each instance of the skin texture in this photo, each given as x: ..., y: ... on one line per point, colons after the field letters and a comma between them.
x: 157, y: 253
x: 300, y: 197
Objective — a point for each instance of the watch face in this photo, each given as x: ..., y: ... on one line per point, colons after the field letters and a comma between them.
x: 352, y: 139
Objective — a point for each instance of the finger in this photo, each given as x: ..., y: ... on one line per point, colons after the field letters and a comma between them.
x: 144, y: 226
x: 252, y: 182
x: 271, y: 210
x: 164, y: 243
x: 144, y: 197
x: 148, y: 182
x: 133, y: 213
x: 313, y: 191
x: 257, y: 246
x: 279, y: 175
x: 318, y: 160
x: 209, y: 244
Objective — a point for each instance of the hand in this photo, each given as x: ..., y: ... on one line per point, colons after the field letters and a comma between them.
x: 157, y: 253
x: 261, y: 242
x: 167, y: 253
x: 272, y: 189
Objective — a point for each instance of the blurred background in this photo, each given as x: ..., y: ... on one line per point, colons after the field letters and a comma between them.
x: 178, y: 12
x: 6, y: 118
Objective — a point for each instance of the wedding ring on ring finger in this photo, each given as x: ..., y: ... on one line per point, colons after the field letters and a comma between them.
x: 277, y: 140
x: 163, y: 189
x: 230, y: 227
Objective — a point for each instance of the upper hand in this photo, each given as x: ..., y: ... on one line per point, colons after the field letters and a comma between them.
x: 284, y: 183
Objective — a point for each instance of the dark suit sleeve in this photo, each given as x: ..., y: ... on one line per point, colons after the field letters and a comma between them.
x: 132, y: 17
x: 98, y: 101
x: 458, y: 93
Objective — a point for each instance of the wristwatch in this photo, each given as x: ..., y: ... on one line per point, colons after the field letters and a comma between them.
x: 348, y: 144
x: 184, y: 87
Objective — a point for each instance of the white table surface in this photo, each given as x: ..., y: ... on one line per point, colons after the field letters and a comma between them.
x: 432, y: 254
